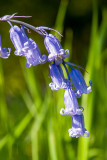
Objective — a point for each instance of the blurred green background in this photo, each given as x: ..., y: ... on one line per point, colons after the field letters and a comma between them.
x: 31, y: 127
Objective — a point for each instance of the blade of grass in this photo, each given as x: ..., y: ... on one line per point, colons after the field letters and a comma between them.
x: 29, y: 104
x: 32, y: 84
x: 3, y: 105
x: 51, y: 140
x: 37, y: 124
x: 92, y: 66
x: 17, y: 131
x: 59, y: 24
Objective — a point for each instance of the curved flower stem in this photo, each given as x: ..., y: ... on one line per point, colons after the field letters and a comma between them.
x: 27, y: 25
x: 10, y: 23
x: 40, y: 30
x: 69, y: 64
x: 66, y: 70
x: 47, y: 28
x: 72, y: 64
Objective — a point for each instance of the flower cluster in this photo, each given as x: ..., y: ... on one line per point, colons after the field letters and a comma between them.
x: 26, y: 47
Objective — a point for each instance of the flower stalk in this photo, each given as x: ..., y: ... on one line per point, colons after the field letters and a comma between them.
x: 74, y: 85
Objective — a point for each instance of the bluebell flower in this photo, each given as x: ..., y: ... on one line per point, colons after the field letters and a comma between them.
x: 57, y: 77
x: 78, y: 129
x: 55, y: 50
x: 26, y: 47
x: 33, y: 55
x: 71, y: 103
x: 3, y: 51
x: 19, y: 40
x: 79, y: 82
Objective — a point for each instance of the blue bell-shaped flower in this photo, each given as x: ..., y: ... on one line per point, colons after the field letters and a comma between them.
x: 55, y: 50
x: 71, y: 103
x: 79, y: 82
x: 26, y: 47
x: 3, y: 51
x: 78, y: 129
x: 57, y: 77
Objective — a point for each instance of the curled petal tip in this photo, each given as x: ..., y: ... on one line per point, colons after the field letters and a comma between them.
x: 62, y: 111
x: 43, y: 58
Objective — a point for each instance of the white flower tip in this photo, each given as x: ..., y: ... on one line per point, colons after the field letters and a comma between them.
x: 89, y: 89
x: 62, y: 111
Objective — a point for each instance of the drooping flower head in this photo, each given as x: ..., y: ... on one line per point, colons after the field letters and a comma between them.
x: 33, y: 55
x: 55, y: 50
x: 71, y: 103
x: 3, y: 51
x: 26, y: 47
x: 19, y: 39
x: 57, y: 77
x: 78, y: 129
x: 79, y: 82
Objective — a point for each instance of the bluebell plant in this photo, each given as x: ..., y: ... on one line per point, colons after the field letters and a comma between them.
x: 74, y: 84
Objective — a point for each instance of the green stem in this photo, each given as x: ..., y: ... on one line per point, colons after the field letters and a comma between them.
x: 36, y: 29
